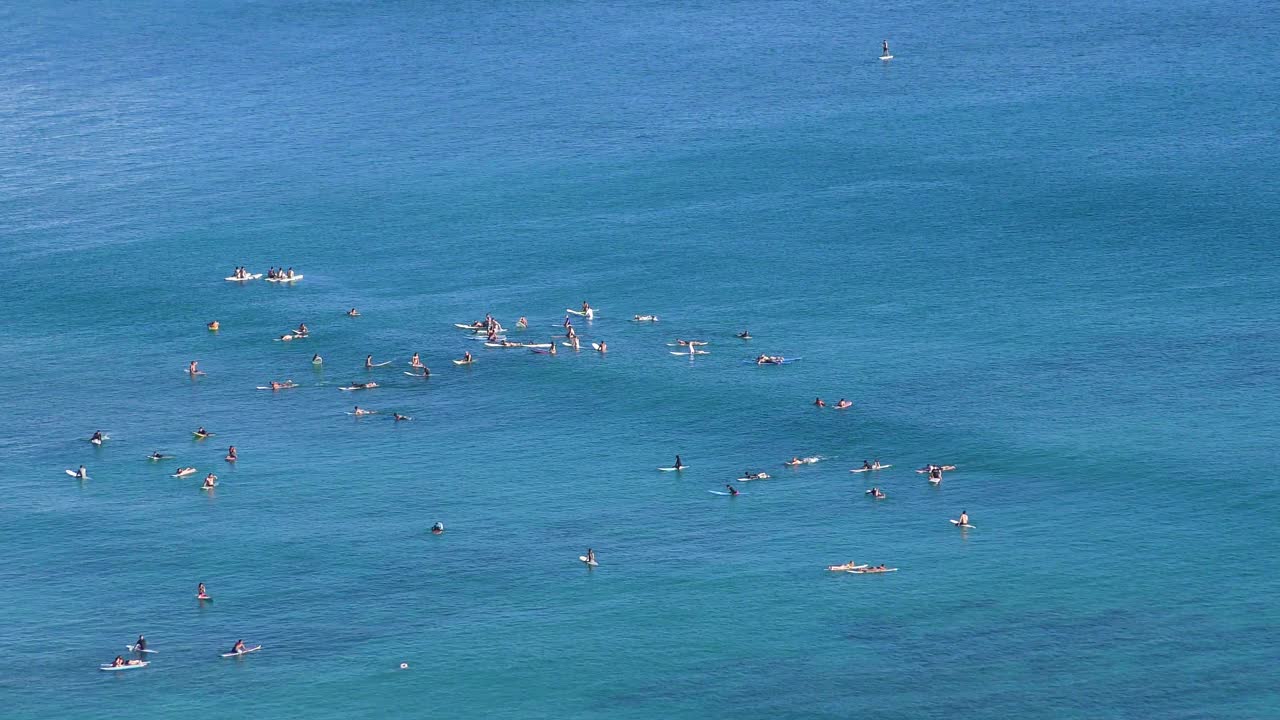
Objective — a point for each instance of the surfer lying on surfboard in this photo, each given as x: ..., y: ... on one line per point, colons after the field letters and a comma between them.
x: 121, y: 662
x: 201, y: 593
x: 843, y: 404
x: 770, y: 360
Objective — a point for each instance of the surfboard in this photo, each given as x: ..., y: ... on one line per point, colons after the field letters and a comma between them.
x: 845, y: 568
x: 246, y: 651
x: 944, y: 468
x: 696, y: 352
x: 75, y: 474
x: 282, y: 387
x: 935, y: 481
x: 721, y: 492
x: 295, y: 278
x: 193, y: 374
x: 596, y: 347
x: 198, y: 435
x: 243, y: 279
x: 567, y: 344
x: 871, y: 469
x: 761, y: 476
x: 538, y: 345
x: 462, y: 362
x: 96, y: 441
x: 204, y: 597
x: 417, y: 375
x: 674, y: 469
x: 381, y: 364
x: 362, y: 414
x: 134, y: 648
x: 957, y: 524
x: 785, y: 361
x: 460, y: 326
x: 184, y: 473
x: 485, y: 338
x: 584, y: 559
x: 134, y: 666
x: 162, y: 457
x: 579, y: 313
x: 868, y: 571
x: 886, y: 57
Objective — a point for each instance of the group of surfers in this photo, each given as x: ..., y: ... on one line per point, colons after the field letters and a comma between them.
x: 298, y: 334
x: 279, y: 274
x: 841, y: 405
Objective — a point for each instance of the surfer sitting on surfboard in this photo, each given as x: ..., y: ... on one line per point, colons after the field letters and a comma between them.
x: 141, y: 645
x: 210, y: 480
x: 732, y: 490
x: 194, y: 367
x: 964, y: 518
x: 238, y: 647
x: 201, y: 593
x: 438, y: 527
x: 591, y: 554
x: 679, y: 465
x: 97, y: 437
x: 121, y: 662
x: 843, y: 404
x: 819, y: 403
x: 353, y: 313
x: 231, y: 454
x: 875, y: 493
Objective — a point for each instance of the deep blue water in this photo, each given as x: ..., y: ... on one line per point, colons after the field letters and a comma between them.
x: 1039, y: 244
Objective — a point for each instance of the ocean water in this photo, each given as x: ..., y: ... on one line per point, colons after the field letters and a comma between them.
x: 1039, y: 244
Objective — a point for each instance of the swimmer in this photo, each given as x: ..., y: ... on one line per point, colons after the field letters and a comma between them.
x: 231, y: 454
x: 353, y: 313
x: 819, y: 403
x: 210, y: 480
x: 214, y: 326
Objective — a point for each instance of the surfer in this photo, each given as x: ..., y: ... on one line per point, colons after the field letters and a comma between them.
x: 437, y: 528
x: 201, y: 593
x: 361, y: 412
x: 866, y: 465
x: 82, y: 473
x: 935, y: 474
x: 368, y: 361
x: 732, y: 490
x: 466, y: 356
x: 155, y: 456
x: 302, y: 327
x: 194, y: 367
x: 238, y: 648
x: 141, y: 645
x: 398, y: 417
x: 964, y: 518
x: 591, y: 554
x: 818, y: 402
x: 745, y: 334
x: 231, y: 454
x: 286, y: 337
x: 353, y: 313
x: 415, y: 362
x: 884, y: 49
x: 213, y: 325
x: 679, y: 465
x: 552, y: 351
x: 573, y: 340
x: 571, y: 334
x: 201, y: 432
x: 567, y: 322
x: 602, y: 346
x: 210, y: 480
x: 121, y: 662
x: 97, y: 437
x: 875, y: 493
x: 843, y: 404
x: 522, y: 323
x: 317, y: 360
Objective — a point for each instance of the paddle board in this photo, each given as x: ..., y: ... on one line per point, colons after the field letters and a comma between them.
x: 674, y: 469
x: 957, y: 524
x: 721, y: 492
x: 145, y: 650
x: 135, y: 666
x: 462, y: 362
x: 584, y: 559
x: 246, y: 651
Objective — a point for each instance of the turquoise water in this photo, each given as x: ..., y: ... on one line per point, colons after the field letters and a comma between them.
x: 1039, y: 245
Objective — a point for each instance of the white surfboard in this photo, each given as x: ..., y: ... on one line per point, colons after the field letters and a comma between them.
x: 869, y: 571
x: 75, y: 474
x: 845, y: 568
x: 134, y: 648
x: 579, y: 313
x: 246, y: 651
x: 243, y: 279
x: 184, y: 473
x: 596, y: 347
x: 417, y: 375
x: 690, y: 354
x: 135, y: 666
x: 967, y: 526
x: 381, y: 364
x: 721, y: 492
x: 674, y: 469
x: 462, y: 362
x: 584, y: 559
x: 870, y: 469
